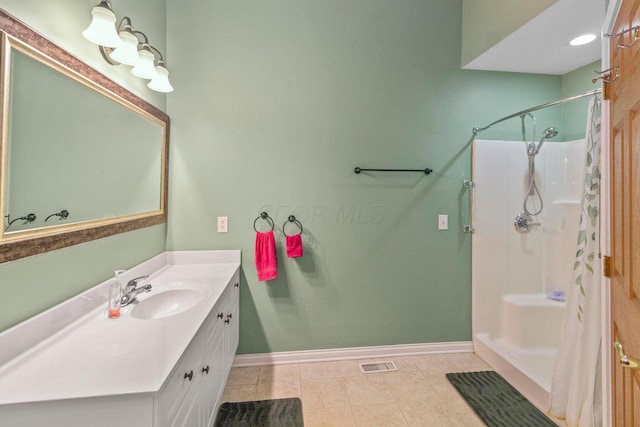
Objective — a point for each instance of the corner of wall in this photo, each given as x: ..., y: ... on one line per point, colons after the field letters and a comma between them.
x: 487, y: 22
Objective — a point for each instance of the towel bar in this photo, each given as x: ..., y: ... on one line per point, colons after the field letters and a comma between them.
x: 426, y: 171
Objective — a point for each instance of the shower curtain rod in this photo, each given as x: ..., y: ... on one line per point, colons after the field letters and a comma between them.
x: 476, y: 130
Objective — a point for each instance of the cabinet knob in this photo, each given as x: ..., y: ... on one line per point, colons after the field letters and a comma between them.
x: 229, y: 316
x: 189, y: 375
x: 237, y: 285
x: 206, y: 369
x: 219, y: 315
x: 226, y: 321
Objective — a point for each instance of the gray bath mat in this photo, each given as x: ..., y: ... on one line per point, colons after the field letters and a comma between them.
x: 261, y: 413
x: 496, y: 402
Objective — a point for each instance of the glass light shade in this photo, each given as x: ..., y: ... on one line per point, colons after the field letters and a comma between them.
x: 102, y: 30
x: 127, y: 52
x: 160, y: 82
x: 145, y: 68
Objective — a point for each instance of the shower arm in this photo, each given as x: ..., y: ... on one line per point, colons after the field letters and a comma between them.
x: 476, y: 130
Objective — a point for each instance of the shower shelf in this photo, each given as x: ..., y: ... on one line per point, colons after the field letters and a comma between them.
x: 566, y: 202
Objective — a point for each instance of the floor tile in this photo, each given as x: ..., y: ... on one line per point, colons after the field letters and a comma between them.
x: 409, y: 385
x: 383, y: 415
x: 242, y: 376
x: 351, y: 368
x: 324, y: 393
x: 239, y: 393
x: 428, y: 413
x: 463, y: 362
x: 431, y: 362
x: 439, y: 382
x: 273, y: 373
x: 368, y: 389
x: 404, y: 363
x: 320, y: 370
x: 333, y: 417
x: 278, y: 390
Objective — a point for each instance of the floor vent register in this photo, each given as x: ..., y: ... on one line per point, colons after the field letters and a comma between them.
x: 375, y: 367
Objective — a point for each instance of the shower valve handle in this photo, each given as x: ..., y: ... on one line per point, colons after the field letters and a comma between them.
x: 625, y: 361
x: 524, y: 223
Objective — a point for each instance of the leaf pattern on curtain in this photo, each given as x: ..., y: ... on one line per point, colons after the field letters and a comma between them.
x: 587, y: 235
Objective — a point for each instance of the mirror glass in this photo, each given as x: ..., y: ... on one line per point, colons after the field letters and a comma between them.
x: 82, y: 158
x: 73, y: 149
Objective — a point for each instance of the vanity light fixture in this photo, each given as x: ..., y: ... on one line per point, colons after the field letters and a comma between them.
x: 583, y: 39
x: 130, y: 47
x: 102, y: 30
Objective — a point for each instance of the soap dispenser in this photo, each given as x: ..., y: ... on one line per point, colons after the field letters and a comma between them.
x: 115, y: 296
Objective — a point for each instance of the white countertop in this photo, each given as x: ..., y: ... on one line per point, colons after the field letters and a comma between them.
x: 96, y: 356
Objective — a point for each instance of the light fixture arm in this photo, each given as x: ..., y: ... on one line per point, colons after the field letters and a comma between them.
x: 124, y: 25
x: 154, y: 50
x: 146, y: 39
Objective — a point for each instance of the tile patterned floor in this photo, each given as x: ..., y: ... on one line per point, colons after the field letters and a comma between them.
x: 336, y: 394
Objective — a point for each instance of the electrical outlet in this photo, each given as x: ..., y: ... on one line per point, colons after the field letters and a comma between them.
x: 223, y: 224
x: 443, y: 222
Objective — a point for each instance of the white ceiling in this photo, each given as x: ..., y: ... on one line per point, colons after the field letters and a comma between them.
x: 542, y: 45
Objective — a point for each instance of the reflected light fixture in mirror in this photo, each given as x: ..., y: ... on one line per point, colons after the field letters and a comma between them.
x: 127, y: 48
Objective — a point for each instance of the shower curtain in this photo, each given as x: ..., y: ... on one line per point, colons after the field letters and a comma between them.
x: 575, y: 387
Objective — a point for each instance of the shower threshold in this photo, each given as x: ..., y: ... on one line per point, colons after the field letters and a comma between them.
x: 528, y: 370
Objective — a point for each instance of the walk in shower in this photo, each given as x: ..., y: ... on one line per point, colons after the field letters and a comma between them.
x: 526, y: 215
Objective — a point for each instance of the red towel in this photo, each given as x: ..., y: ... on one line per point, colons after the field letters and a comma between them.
x: 265, y: 254
x: 294, y: 246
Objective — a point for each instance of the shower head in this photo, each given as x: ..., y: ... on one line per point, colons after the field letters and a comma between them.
x: 550, y: 132
x: 547, y: 134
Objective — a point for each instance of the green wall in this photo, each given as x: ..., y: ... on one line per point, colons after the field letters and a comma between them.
x: 276, y: 102
x: 574, y: 114
x: 34, y: 284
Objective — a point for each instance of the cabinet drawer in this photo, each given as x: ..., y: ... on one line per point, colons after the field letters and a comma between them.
x: 180, y: 380
x: 213, y: 327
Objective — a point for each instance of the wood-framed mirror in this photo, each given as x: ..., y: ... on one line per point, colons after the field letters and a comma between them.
x: 81, y: 157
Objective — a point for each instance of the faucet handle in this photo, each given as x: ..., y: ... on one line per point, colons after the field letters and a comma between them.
x: 131, y: 284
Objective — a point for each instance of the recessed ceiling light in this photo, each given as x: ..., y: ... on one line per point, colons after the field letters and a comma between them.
x: 583, y: 39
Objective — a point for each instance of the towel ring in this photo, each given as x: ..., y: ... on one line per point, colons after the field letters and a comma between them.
x: 266, y: 217
x: 294, y: 220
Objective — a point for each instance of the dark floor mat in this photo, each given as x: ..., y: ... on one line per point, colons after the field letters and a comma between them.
x: 496, y: 402
x: 261, y: 413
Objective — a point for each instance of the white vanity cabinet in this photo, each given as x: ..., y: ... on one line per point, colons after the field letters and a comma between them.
x: 233, y: 315
x: 166, y: 371
x: 192, y: 393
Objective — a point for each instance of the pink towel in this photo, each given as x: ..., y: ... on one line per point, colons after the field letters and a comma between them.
x: 294, y: 246
x: 265, y: 254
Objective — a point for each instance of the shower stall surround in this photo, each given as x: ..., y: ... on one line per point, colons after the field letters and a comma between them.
x: 516, y: 326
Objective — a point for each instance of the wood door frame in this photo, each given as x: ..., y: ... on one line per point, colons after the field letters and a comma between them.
x: 605, y: 223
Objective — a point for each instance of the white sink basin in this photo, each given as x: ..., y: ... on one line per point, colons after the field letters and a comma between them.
x: 168, y: 300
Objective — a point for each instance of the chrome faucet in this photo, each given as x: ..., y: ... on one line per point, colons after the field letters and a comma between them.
x: 131, y: 291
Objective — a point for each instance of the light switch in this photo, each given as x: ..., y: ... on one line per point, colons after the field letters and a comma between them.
x: 443, y: 222
x: 223, y: 224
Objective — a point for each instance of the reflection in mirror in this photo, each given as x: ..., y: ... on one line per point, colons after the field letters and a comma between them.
x: 70, y: 147
x: 81, y: 157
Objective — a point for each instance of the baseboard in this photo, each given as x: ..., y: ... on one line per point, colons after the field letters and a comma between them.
x: 327, y: 355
